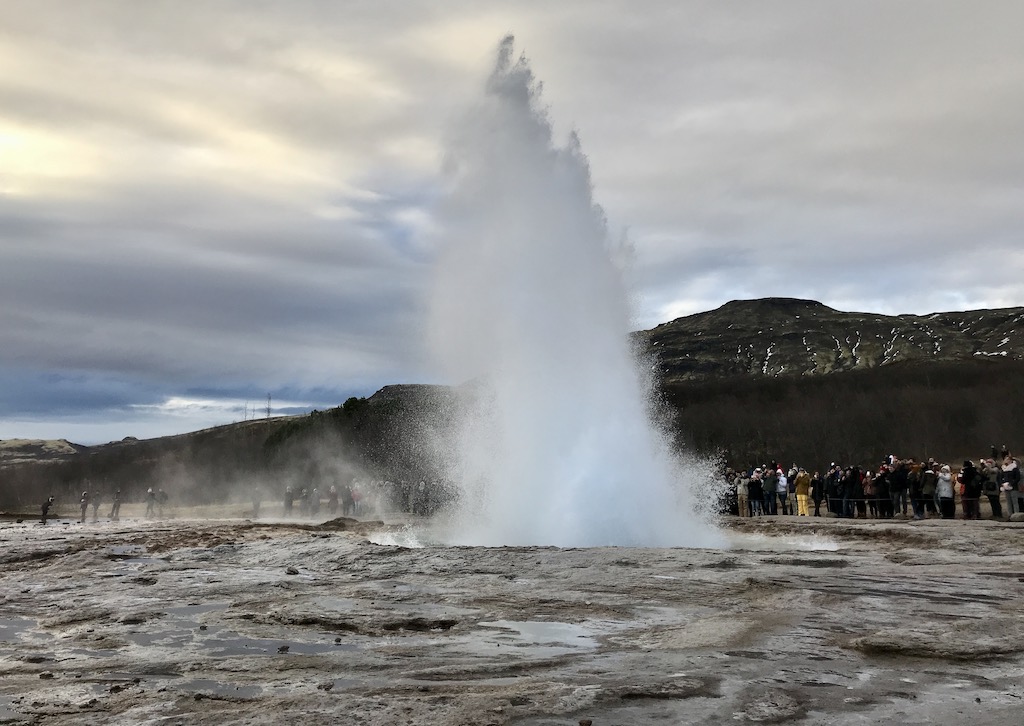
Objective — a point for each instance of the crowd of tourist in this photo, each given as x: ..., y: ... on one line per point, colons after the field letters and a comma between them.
x: 896, y: 488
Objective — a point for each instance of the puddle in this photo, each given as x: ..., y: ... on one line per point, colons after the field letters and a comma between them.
x: 221, y: 642
x: 22, y: 630
x: 120, y: 552
x: 208, y: 687
x: 538, y: 632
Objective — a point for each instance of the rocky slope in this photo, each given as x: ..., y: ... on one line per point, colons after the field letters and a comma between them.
x: 787, y: 336
x: 18, y: 451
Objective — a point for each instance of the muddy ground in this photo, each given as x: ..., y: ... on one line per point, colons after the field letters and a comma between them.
x: 234, y: 622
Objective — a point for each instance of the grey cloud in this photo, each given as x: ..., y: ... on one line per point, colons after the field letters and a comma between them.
x: 864, y: 154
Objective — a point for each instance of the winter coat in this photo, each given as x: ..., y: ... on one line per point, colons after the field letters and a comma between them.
x: 971, y: 480
x: 944, y: 485
x: 817, y: 489
x: 929, y: 480
x: 990, y: 480
x: 803, y: 484
x: 1009, y: 478
x: 898, y: 480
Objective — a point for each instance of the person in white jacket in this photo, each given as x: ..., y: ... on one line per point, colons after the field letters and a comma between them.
x: 944, y: 491
x: 782, y: 488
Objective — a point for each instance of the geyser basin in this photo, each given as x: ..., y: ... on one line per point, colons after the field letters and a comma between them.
x: 556, y: 442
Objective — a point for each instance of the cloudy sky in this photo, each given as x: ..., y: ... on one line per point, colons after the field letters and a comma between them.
x: 205, y: 203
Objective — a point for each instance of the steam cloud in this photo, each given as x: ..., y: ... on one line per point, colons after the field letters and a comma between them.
x: 555, y: 442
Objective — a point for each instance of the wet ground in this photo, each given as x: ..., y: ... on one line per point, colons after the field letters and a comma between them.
x: 228, y: 621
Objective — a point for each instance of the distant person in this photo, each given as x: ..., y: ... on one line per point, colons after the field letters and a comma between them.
x: 46, y: 509
x: 899, y: 485
x: 314, y: 502
x: 803, y: 492
x: 95, y: 508
x: 161, y: 501
x: 916, y: 480
x: 115, y: 506
x: 769, y: 485
x: 755, y: 493
x: 990, y: 486
x: 84, y: 502
x: 348, y: 504
x: 970, y: 490
x: 782, y: 490
x: 944, y: 490
x: 1010, y: 482
x: 304, y: 502
x: 289, y: 501
x: 742, y: 493
x: 834, y: 490
x: 929, y: 484
x: 150, y: 502
x: 870, y: 494
x: 817, y: 493
x: 332, y: 499
x: 884, y: 491
x: 357, y: 499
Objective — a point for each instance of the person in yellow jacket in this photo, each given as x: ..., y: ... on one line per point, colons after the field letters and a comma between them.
x: 803, y: 492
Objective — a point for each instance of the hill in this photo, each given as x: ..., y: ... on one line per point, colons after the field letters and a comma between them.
x: 786, y: 336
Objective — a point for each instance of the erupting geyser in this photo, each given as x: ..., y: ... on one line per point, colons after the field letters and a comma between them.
x: 555, y: 442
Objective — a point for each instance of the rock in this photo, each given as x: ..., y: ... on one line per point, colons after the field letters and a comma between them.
x: 283, y: 649
x: 292, y: 571
x: 46, y: 674
x: 1017, y: 517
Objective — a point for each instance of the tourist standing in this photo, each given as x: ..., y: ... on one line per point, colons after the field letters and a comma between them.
x: 742, y: 502
x: 46, y: 509
x: 1010, y: 481
x: 970, y: 490
x: 883, y: 492
x: 289, y: 501
x: 803, y: 493
x: 990, y: 486
x: 817, y: 493
x: 769, y: 486
x: 929, y: 485
x: 944, y: 491
x: 834, y: 490
x: 782, y: 490
x: 898, y: 486
x: 755, y: 491
x: 115, y: 506
x: 84, y: 502
x: 871, y: 494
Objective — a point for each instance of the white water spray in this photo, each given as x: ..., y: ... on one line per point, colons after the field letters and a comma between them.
x: 555, y: 444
